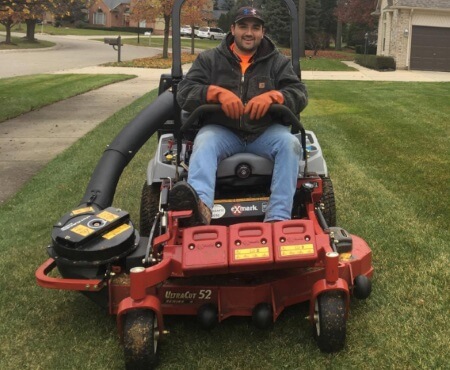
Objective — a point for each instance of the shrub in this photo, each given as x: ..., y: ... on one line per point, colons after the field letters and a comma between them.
x: 361, y: 49
x: 380, y: 63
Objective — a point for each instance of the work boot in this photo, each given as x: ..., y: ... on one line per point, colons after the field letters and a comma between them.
x: 183, y: 197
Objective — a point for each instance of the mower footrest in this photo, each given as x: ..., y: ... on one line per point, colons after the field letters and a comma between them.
x: 250, y: 246
x: 205, y: 249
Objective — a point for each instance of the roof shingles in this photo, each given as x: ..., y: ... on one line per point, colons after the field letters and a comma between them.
x: 429, y: 4
x: 114, y: 3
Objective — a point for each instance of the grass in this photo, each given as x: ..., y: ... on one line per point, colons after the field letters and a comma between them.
x: 51, y: 30
x: 323, y: 64
x: 156, y: 61
x: 21, y: 43
x: 387, y: 149
x: 158, y: 42
x: 23, y: 94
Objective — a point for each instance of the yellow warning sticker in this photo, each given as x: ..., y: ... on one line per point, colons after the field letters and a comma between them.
x: 116, y: 231
x: 296, y: 250
x: 250, y: 253
x: 345, y: 257
x: 82, y: 210
x: 82, y: 230
x: 108, y: 216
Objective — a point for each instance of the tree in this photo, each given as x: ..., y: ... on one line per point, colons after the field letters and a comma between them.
x: 11, y: 12
x: 314, y: 33
x: 356, y: 11
x: 192, y: 13
x: 277, y: 22
x: 142, y: 10
x: 228, y: 4
x: 75, y: 11
x: 356, y: 15
x: 163, y: 8
x: 31, y: 11
x: 327, y: 21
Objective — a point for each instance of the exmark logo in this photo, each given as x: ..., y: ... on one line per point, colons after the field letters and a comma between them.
x: 237, y: 209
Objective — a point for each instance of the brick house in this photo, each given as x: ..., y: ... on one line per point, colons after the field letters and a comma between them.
x: 110, y: 13
x: 416, y: 33
x: 115, y: 13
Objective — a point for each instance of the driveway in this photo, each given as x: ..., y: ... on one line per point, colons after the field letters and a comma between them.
x: 70, y: 52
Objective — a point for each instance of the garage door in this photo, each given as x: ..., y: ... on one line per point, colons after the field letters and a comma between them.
x: 430, y: 48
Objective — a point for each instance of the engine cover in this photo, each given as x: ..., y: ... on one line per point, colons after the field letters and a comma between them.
x: 86, y: 236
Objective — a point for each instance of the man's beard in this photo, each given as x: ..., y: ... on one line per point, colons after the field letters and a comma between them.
x: 249, y: 48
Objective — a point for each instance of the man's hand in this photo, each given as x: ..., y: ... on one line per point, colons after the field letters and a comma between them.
x: 231, y: 104
x: 259, y: 105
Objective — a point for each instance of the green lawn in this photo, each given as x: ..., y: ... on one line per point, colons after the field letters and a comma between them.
x: 323, y: 64
x: 21, y: 43
x: 387, y: 149
x: 49, y: 29
x: 20, y: 95
x: 158, y: 42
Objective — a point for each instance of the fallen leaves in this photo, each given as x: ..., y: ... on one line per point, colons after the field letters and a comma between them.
x: 157, y: 61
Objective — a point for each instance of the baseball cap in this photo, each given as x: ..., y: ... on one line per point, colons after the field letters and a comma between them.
x: 248, y: 12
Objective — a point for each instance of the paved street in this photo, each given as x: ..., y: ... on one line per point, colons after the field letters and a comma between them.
x: 70, y: 52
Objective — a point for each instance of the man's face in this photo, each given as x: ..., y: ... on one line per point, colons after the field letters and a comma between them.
x: 248, y: 34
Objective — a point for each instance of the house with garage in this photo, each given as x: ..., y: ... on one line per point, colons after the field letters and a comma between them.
x: 416, y: 33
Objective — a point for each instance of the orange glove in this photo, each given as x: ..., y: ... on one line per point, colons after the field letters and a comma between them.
x: 258, y: 106
x: 231, y: 104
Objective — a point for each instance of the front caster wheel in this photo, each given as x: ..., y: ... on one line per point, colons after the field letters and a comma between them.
x: 330, y: 321
x: 140, y: 339
x: 362, y: 287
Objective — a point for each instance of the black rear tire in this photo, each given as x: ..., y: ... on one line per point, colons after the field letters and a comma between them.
x: 330, y: 321
x: 140, y: 340
x: 329, y: 211
x: 149, y: 207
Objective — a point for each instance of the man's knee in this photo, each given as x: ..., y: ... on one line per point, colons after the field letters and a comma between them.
x: 296, y: 146
x: 290, y: 142
x: 205, y: 138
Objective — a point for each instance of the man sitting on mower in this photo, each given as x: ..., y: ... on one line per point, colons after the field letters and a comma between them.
x: 246, y: 74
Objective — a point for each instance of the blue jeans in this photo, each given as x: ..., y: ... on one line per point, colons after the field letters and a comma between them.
x: 214, y: 143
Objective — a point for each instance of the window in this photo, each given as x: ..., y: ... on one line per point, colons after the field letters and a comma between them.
x: 99, y: 17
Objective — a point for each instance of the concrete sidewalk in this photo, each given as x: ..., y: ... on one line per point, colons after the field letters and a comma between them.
x: 30, y: 141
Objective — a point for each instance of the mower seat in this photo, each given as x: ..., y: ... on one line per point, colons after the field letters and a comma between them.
x: 234, y: 166
x: 244, y: 170
x: 243, y: 166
